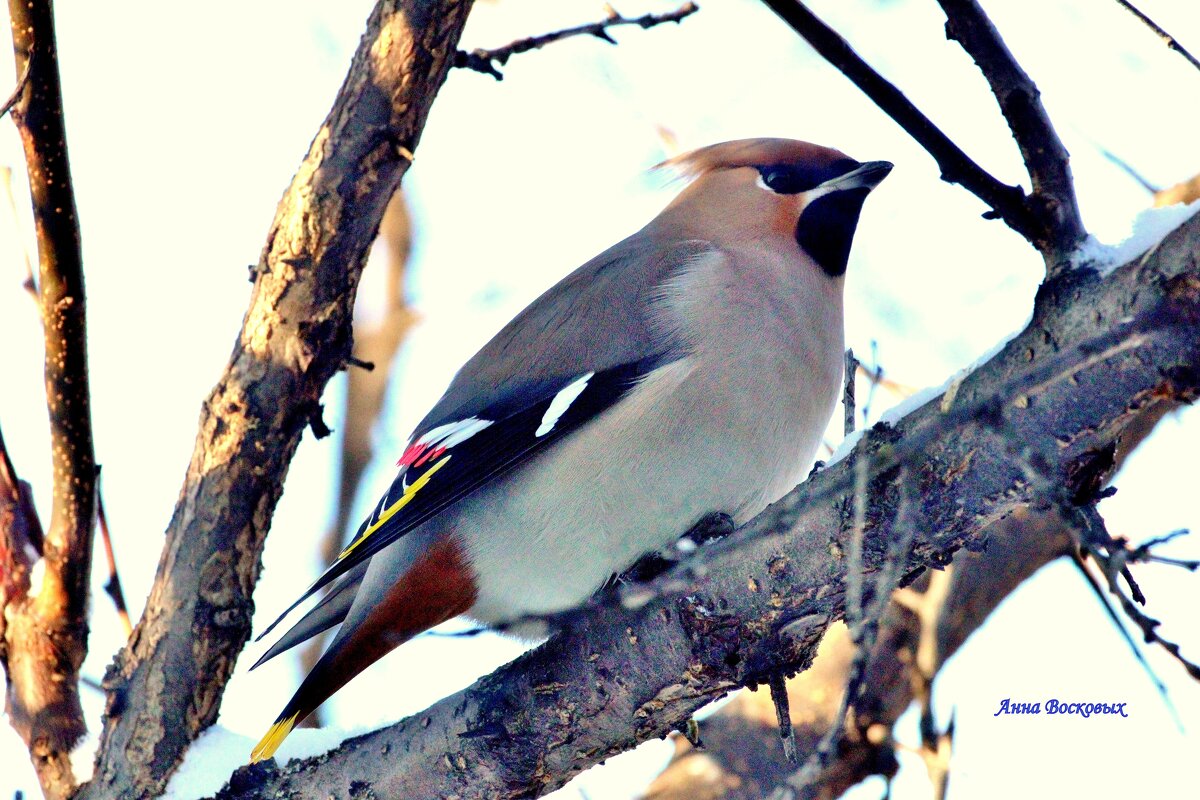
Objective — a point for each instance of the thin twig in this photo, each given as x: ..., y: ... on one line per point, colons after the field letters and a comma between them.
x: 113, y: 587
x: 1046, y: 159
x: 18, y: 90
x: 1162, y: 34
x: 487, y: 61
x: 29, y: 284
x: 849, y: 370
x: 1113, y: 557
x: 1128, y: 169
x: 1115, y: 619
x: 783, y: 715
x: 1009, y: 203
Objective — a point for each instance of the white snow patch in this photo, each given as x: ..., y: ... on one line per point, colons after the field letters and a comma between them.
x: 893, y: 415
x: 1149, y: 228
x: 83, y: 757
x: 845, y: 447
x: 214, y: 756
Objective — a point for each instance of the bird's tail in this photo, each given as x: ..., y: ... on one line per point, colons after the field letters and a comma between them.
x: 437, y: 587
x: 332, y: 672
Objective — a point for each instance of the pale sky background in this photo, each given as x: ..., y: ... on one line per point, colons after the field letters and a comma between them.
x: 186, y: 122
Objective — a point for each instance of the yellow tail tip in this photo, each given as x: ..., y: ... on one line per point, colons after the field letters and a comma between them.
x: 274, y: 737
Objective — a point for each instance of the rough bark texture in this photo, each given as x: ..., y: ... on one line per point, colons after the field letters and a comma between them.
x: 742, y: 757
x: 46, y: 632
x: 166, y: 685
x: 1027, y: 429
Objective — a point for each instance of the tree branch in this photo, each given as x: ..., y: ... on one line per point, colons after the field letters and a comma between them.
x: 1009, y: 203
x: 1091, y: 365
x: 1046, y: 159
x: 741, y: 753
x: 47, y: 630
x: 486, y: 61
x: 1170, y: 40
x: 165, y: 687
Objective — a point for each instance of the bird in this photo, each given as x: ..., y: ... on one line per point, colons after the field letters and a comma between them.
x: 689, y: 369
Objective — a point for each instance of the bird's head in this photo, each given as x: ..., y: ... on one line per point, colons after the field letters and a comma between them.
x: 751, y: 189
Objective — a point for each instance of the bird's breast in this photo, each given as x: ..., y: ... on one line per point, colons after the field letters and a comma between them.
x: 731, y: 426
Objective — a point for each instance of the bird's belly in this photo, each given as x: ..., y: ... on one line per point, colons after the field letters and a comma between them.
x: 548, y: 535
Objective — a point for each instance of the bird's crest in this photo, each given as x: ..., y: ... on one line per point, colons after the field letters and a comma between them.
x: 747, y: 153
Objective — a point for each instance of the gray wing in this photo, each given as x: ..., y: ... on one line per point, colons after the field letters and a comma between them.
x: 600, y: 316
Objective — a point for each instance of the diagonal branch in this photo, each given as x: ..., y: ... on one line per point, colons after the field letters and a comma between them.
x: 1009, y: 203
x: 1170, y: 40
x: 47, y: 631
x: 166, y: 686
x: 1046, y: 159
x: 488, y: 61
x: 1118, y: 350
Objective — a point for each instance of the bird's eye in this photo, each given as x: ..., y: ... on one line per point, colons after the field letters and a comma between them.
x: 784, y: 179
x: 796, y: 178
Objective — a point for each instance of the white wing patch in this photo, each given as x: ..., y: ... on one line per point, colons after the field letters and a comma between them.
x: 561, y: 402
x: 440, y: 439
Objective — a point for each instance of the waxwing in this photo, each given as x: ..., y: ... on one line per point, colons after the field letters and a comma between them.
x: 686, y: 370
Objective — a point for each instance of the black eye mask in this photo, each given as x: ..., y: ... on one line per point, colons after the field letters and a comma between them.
x: 796, y: 178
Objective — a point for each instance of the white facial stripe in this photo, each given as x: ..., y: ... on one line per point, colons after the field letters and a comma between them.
x: 561, y: 402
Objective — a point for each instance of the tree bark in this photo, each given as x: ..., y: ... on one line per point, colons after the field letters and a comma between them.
x: 45, y: 638
x: 165, y: 687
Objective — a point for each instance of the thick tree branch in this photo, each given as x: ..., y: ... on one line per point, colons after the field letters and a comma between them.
x: 1046, y: 159
x: 489, y: 61
x: 741, y: 759
x: 47, y: 630
x: 1009, y: 203
x: 166, y: 685
x: 1094, y: 362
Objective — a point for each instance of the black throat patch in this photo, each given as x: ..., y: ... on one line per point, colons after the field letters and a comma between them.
x: 825, y: 229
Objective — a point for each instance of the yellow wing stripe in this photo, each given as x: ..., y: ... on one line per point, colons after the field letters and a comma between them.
x: 274, y: 737
x: 408, y: 495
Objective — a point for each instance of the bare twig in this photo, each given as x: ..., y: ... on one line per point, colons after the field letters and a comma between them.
x: 1128, y: 169
x: 1115, y: 619
x: 1046, y: 159
x: 783, y: 716
x: 29, y: 284
x: 849, y: 370
x: 18, y: 90
x: 1170, y: 40
x: 47, y: 634
x: 1113, y: 557
x: 488, y: 61
x: 1009, y: 203
x: 113, y: 586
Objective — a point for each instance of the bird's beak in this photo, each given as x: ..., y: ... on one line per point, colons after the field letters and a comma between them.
x: 865, y: 176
